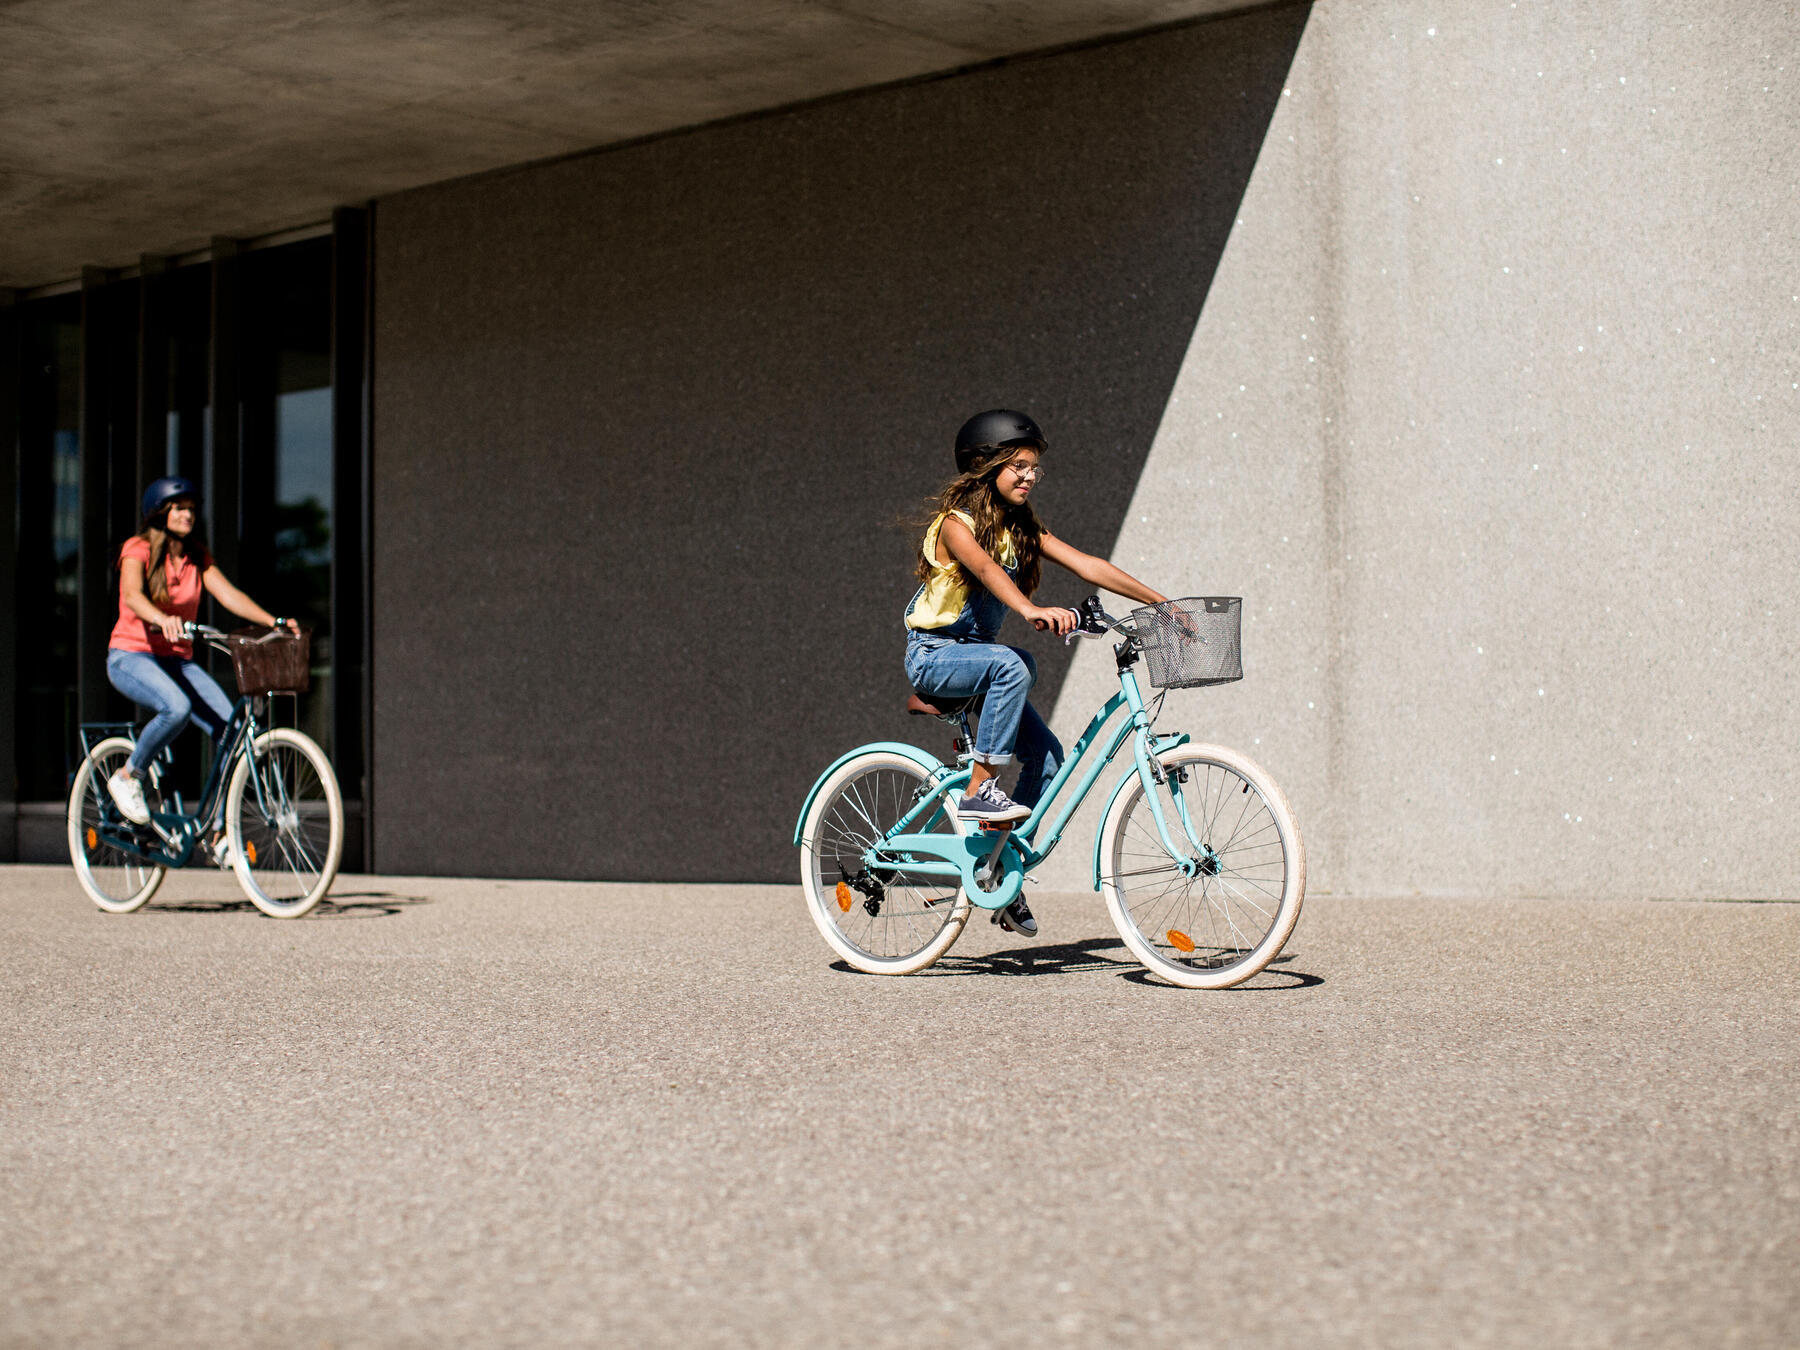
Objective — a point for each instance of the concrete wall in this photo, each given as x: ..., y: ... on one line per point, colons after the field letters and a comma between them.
x: 1491, y: 415
x: 647, y: 423
x: 1487, y: 407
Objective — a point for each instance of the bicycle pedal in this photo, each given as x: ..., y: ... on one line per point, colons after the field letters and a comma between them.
x: 996, y: 826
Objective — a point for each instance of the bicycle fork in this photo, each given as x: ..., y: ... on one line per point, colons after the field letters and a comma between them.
x: 1197, y: 858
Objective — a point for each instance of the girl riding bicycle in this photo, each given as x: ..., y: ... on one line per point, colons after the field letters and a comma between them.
x: 162, y: 570
x: 981, y: 556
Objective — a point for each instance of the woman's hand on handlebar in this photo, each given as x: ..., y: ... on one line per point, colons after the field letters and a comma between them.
x: 173, y: 629
x: 1056, y: 620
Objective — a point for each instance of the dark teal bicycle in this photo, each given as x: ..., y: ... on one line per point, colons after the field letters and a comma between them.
x: 281, y: 810
x: 1197, y: 853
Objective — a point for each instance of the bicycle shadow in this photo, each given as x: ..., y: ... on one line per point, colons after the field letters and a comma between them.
x: 344, y: 905
x: 1086, y: 957
x: 1061, y: 958
x: 1268, y: 980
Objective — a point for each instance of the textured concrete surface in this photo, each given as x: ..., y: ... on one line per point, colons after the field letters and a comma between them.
x: 525, y: 1114
x: 1490, y: 416
x: 655, y: 428
x: 127, y: 129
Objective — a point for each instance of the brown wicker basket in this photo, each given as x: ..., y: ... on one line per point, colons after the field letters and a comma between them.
x: 271, y: 661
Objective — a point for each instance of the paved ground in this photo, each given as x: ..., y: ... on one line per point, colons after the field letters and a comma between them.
x: 519, y: 1113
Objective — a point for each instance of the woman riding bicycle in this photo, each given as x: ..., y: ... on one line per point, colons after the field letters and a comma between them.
x: 980, y: 557
x: 162, y: 570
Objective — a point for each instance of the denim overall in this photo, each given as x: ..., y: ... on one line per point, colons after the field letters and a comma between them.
x: 962, y: 660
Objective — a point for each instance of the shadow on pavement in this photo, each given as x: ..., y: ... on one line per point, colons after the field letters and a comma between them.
x: 1263, y: 982
x: 348, y: 905
x: 1085, y: 957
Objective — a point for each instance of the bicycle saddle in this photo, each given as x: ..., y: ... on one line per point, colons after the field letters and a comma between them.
x: 919, y: 706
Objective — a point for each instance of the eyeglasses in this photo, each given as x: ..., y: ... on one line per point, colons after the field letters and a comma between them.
x: 1027, y: 473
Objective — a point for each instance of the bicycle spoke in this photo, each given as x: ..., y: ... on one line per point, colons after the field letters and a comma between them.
x: 910, y: 910
x: 1210, y: 920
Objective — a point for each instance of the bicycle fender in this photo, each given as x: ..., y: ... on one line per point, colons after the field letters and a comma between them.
x: 924, y: 759
x: 1159, y: 747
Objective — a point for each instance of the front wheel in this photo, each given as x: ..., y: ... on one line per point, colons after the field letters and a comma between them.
x: 885, y: 921
x: 114, y: 879
x: 285, y: 818
x: 1221, y: 913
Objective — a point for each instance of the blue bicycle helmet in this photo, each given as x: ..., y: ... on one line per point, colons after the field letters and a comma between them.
x: 165, y: 490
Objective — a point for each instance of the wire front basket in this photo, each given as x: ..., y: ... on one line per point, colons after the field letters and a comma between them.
x: 271, y: 661
x: 1192, y: 642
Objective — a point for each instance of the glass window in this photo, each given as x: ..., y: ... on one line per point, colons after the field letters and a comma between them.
x: 189, y: 357
x: 284, y: 472
x: 49, y: 540
x: 287, y: 452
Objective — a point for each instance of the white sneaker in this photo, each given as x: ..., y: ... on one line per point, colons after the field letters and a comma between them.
x: 221, y: 853
x: 128, y: 796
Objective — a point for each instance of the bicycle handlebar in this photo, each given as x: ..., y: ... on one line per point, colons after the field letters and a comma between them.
x: 1094, y: 622
x: 217, y: 636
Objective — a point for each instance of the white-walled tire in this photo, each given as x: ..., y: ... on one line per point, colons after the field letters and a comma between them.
x: 1225, y: 924
x: 286, y: 841
x: 895, y: 923
x: 113, y: 879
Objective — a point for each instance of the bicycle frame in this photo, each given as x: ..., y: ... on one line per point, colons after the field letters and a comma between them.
x: 177, y: 832
x: 991, y: 865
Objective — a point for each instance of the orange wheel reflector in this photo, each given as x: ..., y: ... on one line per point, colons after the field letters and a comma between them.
x: 93, y: 837
x: 1180, y: 941
x: 250, y: 853
x: 845, y: 898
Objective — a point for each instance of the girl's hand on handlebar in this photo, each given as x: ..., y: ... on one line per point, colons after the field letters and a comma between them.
x: 172, y: 628
x: 1058, y: 621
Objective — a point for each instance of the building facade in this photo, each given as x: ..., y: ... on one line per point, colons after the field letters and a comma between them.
x: 1464, y: 350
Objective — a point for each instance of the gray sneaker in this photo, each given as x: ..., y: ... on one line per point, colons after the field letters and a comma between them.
x: 990, y: 803
x: 1016, y: 918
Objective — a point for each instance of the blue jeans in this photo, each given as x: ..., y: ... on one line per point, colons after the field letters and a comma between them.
x: 1009, y: 724
x: 177, y: 690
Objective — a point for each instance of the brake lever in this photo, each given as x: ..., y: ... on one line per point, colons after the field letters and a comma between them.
x: 1091, y: 622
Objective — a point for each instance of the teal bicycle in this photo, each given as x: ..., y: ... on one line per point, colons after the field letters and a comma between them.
x: 1197, y: 853
x: 273, y: 786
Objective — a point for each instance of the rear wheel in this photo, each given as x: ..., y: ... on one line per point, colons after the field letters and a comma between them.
x: 116, y: 880
x: 285, y: 817
x: 885, y: 921
x: 1221, y: 913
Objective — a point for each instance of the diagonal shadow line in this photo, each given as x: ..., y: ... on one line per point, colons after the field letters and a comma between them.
x: 861, y: 276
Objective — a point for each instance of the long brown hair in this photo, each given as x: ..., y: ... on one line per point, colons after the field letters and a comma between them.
x: 156, y: 580
x: 995, y: 519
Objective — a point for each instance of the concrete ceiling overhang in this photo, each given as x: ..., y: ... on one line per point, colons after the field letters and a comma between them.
x: 151, y: 126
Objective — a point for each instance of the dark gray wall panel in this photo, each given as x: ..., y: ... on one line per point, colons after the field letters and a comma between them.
x: 647, y: 423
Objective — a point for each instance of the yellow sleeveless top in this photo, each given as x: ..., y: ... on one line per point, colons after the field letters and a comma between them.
x: 941, y: 599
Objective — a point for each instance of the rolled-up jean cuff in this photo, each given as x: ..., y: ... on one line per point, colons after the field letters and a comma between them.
x: 993, y: 761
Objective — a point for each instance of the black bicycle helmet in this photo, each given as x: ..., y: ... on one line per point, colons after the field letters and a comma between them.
x: 165, y: 490
x: 989, y: 431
